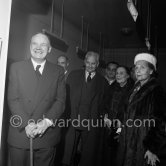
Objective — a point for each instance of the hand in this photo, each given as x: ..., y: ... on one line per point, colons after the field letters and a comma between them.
x: 151, y: 158
x: 41, y: 127
x: 117, y: 136
x: 107, y: 121
x: 29, y: 129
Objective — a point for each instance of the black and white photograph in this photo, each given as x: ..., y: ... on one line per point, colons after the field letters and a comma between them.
x: 82, y: 83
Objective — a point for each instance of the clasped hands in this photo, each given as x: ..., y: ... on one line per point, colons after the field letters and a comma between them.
x: 32, y: 129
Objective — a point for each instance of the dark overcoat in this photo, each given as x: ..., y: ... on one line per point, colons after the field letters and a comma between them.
x: 91, y: 148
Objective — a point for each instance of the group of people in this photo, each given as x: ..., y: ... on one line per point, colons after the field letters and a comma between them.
x: 138, y: 107
x: 103, y: 116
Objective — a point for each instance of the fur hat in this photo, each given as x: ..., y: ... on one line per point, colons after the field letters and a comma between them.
x: 146, y: 57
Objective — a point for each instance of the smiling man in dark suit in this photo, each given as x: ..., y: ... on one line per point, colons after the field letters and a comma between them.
x: 36, y: 96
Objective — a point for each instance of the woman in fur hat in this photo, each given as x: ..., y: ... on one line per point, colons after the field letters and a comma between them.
x: 143, y: 137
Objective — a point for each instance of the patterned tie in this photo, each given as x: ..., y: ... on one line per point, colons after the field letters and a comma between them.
x: 89, y: 77
x: 38, y: 74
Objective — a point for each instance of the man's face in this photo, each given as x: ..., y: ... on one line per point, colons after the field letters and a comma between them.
x: 62, y: 62
x: 91, y: 63
x: 39, y: 47
x: 111, y: 71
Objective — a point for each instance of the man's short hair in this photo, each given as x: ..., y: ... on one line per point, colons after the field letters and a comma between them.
x: 111, y: 62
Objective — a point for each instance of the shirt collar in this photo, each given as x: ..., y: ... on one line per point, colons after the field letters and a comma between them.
x: 109, y: 81
x: 35, y: 64
x: 65, y: 72
x: 87, y: 73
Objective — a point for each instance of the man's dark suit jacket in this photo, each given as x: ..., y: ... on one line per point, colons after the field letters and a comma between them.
x: 75, y: 81
x: 35, y: 99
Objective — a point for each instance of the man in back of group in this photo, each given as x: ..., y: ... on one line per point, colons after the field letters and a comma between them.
x: 110, y: 72
x: 63, y: 61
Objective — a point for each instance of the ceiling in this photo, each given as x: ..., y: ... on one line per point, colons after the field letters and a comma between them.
x: 110, y: 22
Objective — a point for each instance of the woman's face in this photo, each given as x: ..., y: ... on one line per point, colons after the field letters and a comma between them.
x: 142, y: 71
x: 121, y: 75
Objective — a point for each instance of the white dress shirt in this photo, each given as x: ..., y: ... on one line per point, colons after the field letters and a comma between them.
x: 109, y: 81
x: 41, y: 65
x: 87, y: 73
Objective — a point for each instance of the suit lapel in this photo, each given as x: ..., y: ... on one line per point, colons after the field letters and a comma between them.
x: 81, y: 81
x: 96, y: 88
x: 43, y: 84
x: 29, y: 80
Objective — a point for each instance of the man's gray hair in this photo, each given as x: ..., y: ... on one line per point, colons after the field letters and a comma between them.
x: 92, y: 53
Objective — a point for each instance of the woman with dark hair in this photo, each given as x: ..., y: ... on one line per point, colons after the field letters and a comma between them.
x: 143, y: 137
x: 123, y: 86
x: 116, y: 98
